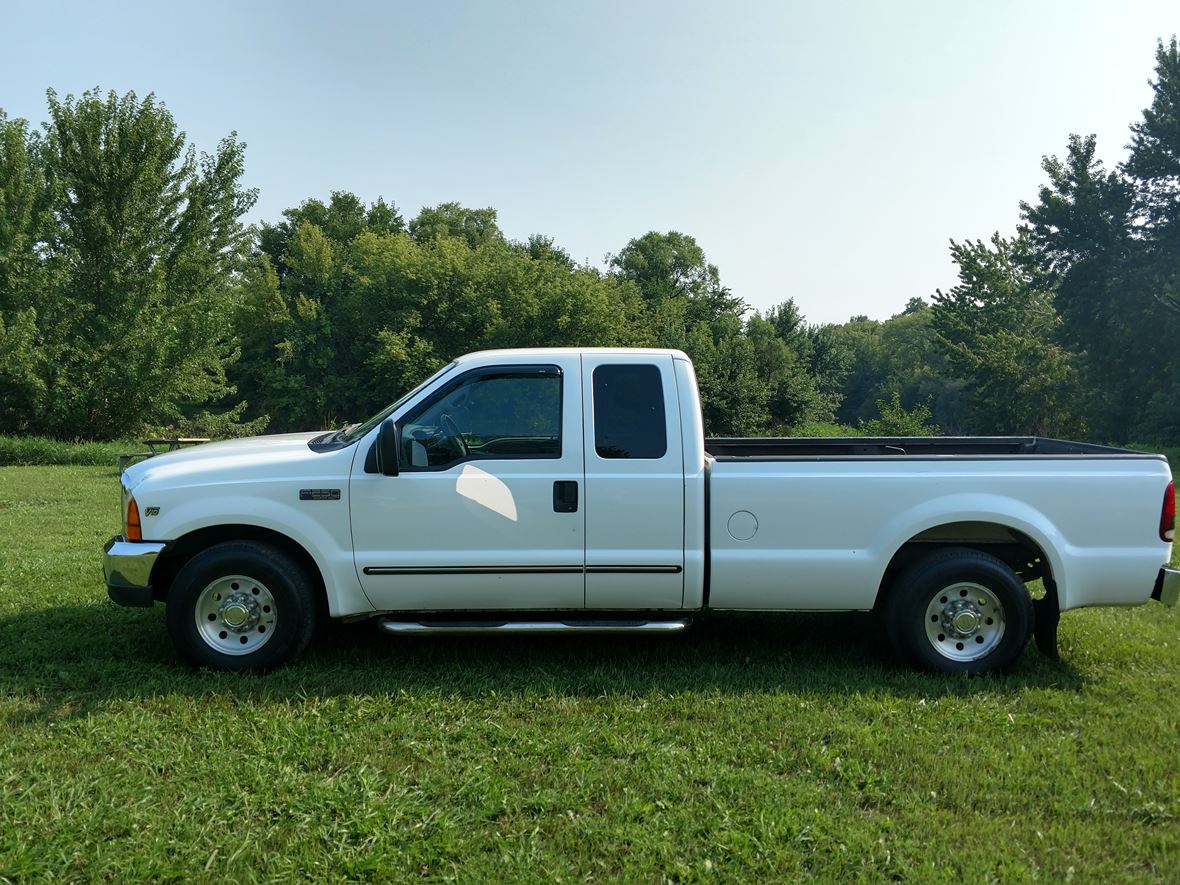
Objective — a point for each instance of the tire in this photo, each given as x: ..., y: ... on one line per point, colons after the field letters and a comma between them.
x: 958, y: 611
x: 241, y: 605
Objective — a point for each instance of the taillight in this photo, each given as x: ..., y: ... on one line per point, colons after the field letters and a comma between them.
x: 1168, y: 516
x: 134, y: 529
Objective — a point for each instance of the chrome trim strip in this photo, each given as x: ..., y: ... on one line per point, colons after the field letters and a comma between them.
x: 129, y: 563
x: 472, y: 628
x: 634, y: 569
x: 473, y: 570
x: 520, y: 569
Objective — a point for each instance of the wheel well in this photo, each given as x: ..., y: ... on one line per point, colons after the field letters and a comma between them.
x: 184, y: 548
x: 1012, y: 547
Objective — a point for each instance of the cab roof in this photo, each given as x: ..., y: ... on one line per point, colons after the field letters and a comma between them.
x: 524, y: 352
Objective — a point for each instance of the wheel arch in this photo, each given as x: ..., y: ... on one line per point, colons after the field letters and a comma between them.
x: 184, y: 548
x: 1029, y: 557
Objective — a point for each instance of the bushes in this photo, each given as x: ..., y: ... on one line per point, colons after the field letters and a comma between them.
x: 22, y: 451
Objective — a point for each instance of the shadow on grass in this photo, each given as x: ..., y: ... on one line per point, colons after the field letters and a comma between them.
x: 68, y: 659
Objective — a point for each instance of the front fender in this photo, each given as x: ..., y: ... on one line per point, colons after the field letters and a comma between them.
x: 324, y: 533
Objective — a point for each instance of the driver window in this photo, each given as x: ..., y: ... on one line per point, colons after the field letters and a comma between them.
x: 500, y: 414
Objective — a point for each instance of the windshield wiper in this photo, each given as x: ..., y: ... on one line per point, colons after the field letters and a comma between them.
x: 342, y: 434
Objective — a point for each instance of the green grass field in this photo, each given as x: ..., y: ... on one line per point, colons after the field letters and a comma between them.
x: 749, y: 748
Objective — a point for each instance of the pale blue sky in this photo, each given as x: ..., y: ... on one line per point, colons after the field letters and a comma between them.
x: 825, y: 151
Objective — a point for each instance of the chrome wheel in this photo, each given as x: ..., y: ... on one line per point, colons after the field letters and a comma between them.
x: 235, y: 615
x: 964, y: 621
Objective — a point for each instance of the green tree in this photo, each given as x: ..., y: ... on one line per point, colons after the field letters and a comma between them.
x: 671, y: 267
x: 1080, y: 231
x: 688, y: 307
x: 894, y: 420
x: 997, y: 328
x: 542, y: 248
x: 360, y: 312
x: 24, y: 222
x: 120, y: 249
x: 476, y: 226
x: 783, y: 350
x: 1154, y: 167
x: 341, y: 220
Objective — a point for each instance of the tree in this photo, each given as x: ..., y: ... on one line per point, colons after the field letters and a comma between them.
x: 1154, y: 165
x: 688, y: 307
x: 917, y: 304
x: 671, y: 267
x: 120, y: 249
x: 1108, y: 243
x: 894, y: 420
x: 997, y: 329
x: 542, y: 248
x: 341, y: 220
x: 24, y: 222
x: 1080, y: 234
x: 477, y: 226
x: 363, y: 311
x: 791, y: 395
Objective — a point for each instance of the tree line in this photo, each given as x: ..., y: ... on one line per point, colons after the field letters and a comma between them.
x: 134, y: 298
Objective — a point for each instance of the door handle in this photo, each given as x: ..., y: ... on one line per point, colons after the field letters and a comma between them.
x: 565, y: 496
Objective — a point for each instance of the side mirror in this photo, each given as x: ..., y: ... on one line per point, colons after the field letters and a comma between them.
x: 389, y: 447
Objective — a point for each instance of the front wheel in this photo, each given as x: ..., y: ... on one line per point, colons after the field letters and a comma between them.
x: 240, y: 606
x: 959, y: 611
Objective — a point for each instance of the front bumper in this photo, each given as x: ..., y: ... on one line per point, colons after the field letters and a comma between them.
x: 1167, y: 586
x: 127, y: 570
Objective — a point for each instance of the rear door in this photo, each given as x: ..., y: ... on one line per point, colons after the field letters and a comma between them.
x: 634, y: 482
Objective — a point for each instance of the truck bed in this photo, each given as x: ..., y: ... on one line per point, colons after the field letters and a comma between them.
x: 923, y: 447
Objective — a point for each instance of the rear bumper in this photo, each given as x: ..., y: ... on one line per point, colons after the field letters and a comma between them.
x: 1167, y: 586
x: 127, y: 570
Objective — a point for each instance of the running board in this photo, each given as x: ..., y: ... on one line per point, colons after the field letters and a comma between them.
x: 469, y: 628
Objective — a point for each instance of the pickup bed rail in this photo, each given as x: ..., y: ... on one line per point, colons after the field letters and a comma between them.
x: 915, y: 446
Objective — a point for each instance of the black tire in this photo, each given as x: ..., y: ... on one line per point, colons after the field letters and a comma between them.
x: 949, y: 590
x: 272, y: 590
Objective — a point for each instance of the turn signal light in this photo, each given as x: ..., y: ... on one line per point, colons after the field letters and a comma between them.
x: 1168, y: 517
x: 134, y: 529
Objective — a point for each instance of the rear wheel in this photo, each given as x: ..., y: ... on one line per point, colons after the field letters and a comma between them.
x: 241, y: 605
x: 959, y: 611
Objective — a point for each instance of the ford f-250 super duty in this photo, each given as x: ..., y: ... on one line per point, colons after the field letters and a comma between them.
x: 574, y: 490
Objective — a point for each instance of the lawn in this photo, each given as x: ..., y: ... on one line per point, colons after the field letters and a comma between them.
x: 749, y: 748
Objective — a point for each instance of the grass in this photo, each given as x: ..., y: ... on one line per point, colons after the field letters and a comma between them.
x: 788, y: 747
x: 38, y: 450
x: 1172, y: 453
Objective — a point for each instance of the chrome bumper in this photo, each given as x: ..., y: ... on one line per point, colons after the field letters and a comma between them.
x: 1167, y: 586
x: 127, y: 570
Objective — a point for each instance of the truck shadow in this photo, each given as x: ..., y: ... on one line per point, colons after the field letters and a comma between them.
x: 74, y: 658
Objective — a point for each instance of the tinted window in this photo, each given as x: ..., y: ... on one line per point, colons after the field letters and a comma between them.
x: 502, y: 413
x: 629, y: 412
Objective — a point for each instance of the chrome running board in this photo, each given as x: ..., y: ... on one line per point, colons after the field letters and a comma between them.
x: 468, y: 628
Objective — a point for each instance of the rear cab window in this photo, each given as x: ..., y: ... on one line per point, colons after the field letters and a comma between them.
x: 629, y: 412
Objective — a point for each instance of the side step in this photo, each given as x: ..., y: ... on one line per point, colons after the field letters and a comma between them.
x: 470, y: 628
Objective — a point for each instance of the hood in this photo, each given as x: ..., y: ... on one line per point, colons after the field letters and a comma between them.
x: 282, y: 454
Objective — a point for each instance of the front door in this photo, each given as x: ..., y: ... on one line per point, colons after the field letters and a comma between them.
x: 488, y: 509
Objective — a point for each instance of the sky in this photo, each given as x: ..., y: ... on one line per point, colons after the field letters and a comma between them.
x: 826, y: 152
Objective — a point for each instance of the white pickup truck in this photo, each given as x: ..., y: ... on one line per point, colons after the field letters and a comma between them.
x: 573, y: 490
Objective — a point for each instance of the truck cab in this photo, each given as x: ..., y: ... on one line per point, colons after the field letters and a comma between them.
x: 546, y: 481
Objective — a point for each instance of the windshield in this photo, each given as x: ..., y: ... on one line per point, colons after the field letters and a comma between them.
x: 361, y: 429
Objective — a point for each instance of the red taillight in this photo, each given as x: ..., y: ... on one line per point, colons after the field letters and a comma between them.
x: 1168, y: 516
x: 134, y: 530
